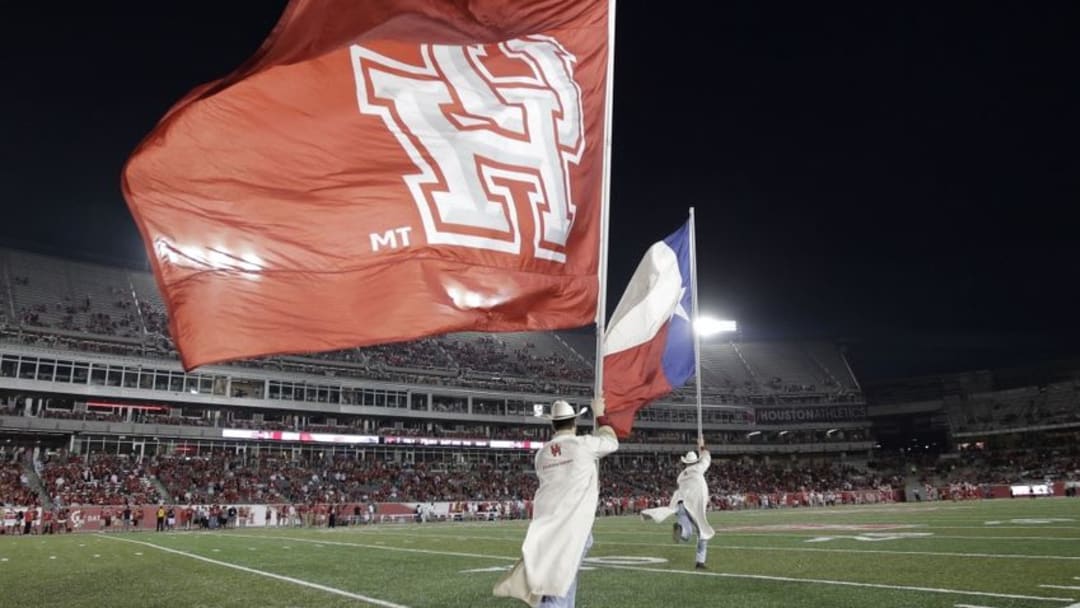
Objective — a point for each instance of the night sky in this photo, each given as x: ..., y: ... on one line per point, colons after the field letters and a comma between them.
x: 902, y: 179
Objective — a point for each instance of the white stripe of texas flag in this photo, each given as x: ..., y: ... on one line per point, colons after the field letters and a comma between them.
x: 649, y: 300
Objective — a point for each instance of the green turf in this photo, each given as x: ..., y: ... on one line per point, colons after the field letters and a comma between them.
x: 752, y: 562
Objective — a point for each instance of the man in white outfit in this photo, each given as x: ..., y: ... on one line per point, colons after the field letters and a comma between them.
x: 564, y: 508
x: 692, y: 499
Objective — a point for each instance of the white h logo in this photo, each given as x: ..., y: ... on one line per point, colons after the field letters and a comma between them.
x: 484, y: 144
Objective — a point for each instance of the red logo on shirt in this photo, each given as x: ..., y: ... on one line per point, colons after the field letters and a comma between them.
x: 556, y: 450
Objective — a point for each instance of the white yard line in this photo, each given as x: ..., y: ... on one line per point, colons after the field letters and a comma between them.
x: 887, y: 552
x: 984, y: 527
x: 824, y: 532
x: 935, y: 536
x: 1070, y: 539
x: 949, y: 554
x: 381, y: 547
x: 721, y: 533
x: 287, y: 579
x: 763, y: 577
x: 970, y: 606
x: 822, y: 581
x: 853, y: 529
x: 1070, y: 588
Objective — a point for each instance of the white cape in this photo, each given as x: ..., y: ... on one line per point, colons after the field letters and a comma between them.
x: 563, y: 512
x: 694, y: 493
x: 661, y: 514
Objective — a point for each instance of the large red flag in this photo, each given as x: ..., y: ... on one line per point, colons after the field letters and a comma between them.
x: 381, y: 171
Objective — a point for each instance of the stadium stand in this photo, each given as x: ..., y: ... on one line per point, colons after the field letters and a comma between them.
x: 1031, y: 406
x: 100, y: 479
x: 220, y: 477
x: 90, y: 379
x: 723, y: 366
x: 15, y: 486
x: 85, y: 306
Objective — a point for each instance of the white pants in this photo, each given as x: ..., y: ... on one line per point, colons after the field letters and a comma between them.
x: 567, y: 601
x: 688, y: 527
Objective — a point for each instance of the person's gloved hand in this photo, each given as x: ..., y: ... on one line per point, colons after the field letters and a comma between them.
x: 598, y: 407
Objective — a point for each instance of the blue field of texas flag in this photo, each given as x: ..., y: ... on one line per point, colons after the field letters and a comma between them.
x: 648, y: 346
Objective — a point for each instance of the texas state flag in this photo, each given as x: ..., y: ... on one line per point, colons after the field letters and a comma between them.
x: 649, y: 347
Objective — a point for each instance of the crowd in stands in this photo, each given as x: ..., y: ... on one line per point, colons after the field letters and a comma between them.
x: 223, y: 478
x: 268, y: 478
x: 741, y: 483
x: 662, y: 436
x: 481, y: 363
x: 100, y: 479
x: 80, y: 415
x: 425, y: 353
x: 491, y: 355
x: 150, y: 418
x: 1010, y: 466
x: 14, y: 485
x: 628, y: 481
x: 81, y: 314
x: 403, y: 362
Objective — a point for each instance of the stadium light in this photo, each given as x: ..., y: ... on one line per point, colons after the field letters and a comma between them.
x: 710, y: 326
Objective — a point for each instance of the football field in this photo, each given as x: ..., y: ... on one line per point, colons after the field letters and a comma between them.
x: 1002, y: 554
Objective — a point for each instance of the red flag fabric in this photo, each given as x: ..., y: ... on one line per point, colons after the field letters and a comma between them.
x: 381, y: 171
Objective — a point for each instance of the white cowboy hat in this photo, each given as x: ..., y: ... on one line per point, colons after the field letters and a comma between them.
x: 561, y: 410
x: 690, y: 458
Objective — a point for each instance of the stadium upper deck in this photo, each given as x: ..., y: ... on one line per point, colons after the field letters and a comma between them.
x: 55, y: 302
x: 83, y: 345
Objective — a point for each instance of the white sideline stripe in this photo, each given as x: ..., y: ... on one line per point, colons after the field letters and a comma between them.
x: 287, y: 579
x: 1073, y: 588
x: 970, y: 606
x: 822, y: 581
x: 763, y: 577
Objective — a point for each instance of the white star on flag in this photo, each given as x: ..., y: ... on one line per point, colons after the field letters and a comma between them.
x: 679, y: 310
